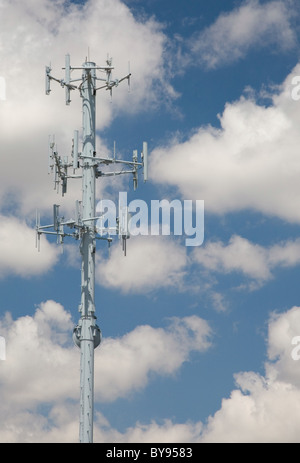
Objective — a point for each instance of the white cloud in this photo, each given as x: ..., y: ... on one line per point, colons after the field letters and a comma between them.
x: 283, y: 328
x: 256, y: 413
x: 134, y: 356
x: 250, y: 163
x: 61, y: 426
x: 18, y: 255
x: 264, y: 408
x: 250, y: 25
x: 42, y: 368
x: 39, y: 367
x: 31, y: 35
x: 29, y: 426
x: 254, y: 261
x: 239, y: 255
x: 168, y: 432
x: 154, y: 263
x: 150, y: 263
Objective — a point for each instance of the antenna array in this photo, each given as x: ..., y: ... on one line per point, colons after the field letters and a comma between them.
x: 88, y: 166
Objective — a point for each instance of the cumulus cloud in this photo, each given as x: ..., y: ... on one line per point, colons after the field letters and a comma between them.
x: 154, y: 263
x: 283, y: 338
x: 42, y: 368
x: 250, y: 25
x: 32, y: 427
x: 250, y: 163
x: 168, y: 432
x: 34, y: 33
x: 151, y: 262
x: 18, y: 255
x: 252, y: 260
x: 264, y: 408
x: 134, y: 356
x: 256, y: 413
x: 39, y: 366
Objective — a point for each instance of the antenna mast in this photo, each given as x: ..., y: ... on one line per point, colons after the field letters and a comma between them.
x: 85, y: 165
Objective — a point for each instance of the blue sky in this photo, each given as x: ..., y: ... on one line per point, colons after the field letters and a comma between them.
x: 197, y: 342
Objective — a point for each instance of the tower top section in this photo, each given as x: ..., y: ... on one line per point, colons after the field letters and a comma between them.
x: 70, y: 84
x: 86, y: 163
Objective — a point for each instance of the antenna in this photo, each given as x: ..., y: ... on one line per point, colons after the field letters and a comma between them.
x: 123, y: 223
x: 87, y: 165
x: 67, y: 79
x: 47, y: 81
x: 135, y: 177
x: 51, y: 144
x: 145, y: 160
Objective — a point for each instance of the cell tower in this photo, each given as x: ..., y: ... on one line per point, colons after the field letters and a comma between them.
x: 86, y: 165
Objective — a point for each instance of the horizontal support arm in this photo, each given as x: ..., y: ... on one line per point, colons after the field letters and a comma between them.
x: 112, y: 160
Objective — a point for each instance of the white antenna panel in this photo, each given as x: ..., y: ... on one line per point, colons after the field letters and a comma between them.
x: 67, y: 79
x: 47, y: 81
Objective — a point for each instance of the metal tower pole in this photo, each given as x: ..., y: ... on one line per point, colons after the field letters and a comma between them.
x: 88, y: 328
